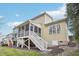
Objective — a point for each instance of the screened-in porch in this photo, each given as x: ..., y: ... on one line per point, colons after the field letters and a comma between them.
x: 25, y: 30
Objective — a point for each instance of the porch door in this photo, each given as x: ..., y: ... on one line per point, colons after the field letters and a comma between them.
x: 39, y: 31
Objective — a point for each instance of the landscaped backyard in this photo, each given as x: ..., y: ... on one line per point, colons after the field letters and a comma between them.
x: 68, y: 51
x: 6, y: 51
x: 75, y: 53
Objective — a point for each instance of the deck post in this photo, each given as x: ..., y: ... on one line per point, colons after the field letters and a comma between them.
x: 29, y: 29
x: 29, y: 44
x: 24, y: 29
x: 29, y: 36
x: 17, y: 38
x: 17, y: 43
x: 33, y: 28
x: 22, y: 43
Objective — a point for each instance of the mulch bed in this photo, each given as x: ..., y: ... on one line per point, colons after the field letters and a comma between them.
x: 56, y: 50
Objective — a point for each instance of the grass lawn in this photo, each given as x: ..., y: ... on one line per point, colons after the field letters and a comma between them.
x: 6, y: 51
x: 75, y: 53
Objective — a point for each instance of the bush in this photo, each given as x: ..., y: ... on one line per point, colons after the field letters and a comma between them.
x: 4, y: 44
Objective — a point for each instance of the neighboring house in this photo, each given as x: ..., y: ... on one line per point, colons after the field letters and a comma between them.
x: 3, y: 40
x: 10, y: 39
x: 41, y: 32
x: 7, y: 40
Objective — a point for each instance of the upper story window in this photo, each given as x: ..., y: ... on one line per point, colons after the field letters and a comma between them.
x: 27, y: 27
x: 22, y: 27
x: 54, y: 29
x: 15, y: 30
x: 31, y: 27
x: 58, y: 28
x: 19, y: 29
x: 15, y: 35
x: 39, y: 30
x: 35, y: 29
x: 50, y: 30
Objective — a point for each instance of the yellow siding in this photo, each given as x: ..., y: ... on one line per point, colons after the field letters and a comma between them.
x: 48, y: 19
x: 39, y: 20
x: 62, y: 36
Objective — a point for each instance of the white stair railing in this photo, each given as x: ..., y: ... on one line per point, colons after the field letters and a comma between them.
x: 38, y: 41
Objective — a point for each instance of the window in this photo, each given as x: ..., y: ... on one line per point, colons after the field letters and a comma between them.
x: 50, y: 30
x: 22, y: 27
x: 31, y: 27
x: 15, y: 35
x: 39, y: 30
x: 54, y: 29
x: 19, y: 29
x: 27, y: 27
x: 35, y: 29
x: 58, y: 29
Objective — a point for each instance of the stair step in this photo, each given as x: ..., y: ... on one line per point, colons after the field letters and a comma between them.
x: 36, y: 39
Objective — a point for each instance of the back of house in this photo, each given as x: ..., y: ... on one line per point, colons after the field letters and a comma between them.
x: 53, y: 32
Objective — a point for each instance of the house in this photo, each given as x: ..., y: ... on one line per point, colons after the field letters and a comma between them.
x: 3, y: 40
x: 7, y: 40
x: 10, y: 40
x: 41, y: 32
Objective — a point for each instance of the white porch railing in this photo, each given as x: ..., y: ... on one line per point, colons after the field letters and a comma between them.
x: 35, y: 38
x: 26, y: 33
x: 22, y: 33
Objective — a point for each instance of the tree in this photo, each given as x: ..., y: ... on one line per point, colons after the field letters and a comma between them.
x: 73, y: 17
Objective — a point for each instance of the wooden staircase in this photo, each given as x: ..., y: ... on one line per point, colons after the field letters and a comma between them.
x: 39, y: 42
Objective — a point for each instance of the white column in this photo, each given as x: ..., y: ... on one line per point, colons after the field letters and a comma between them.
x: 37, y: 30
x: 17, y: 37
x: 29, y: 28
x: 17, y: 33
x: 33, y: 28
x: 29, y: 44
x: 29, y: 39
x: 21, y: 31
x: 22, y: 43
x: 24, y: 29
x: 17, y: 43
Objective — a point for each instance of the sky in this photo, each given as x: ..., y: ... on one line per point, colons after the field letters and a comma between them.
x: 13, y: 14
